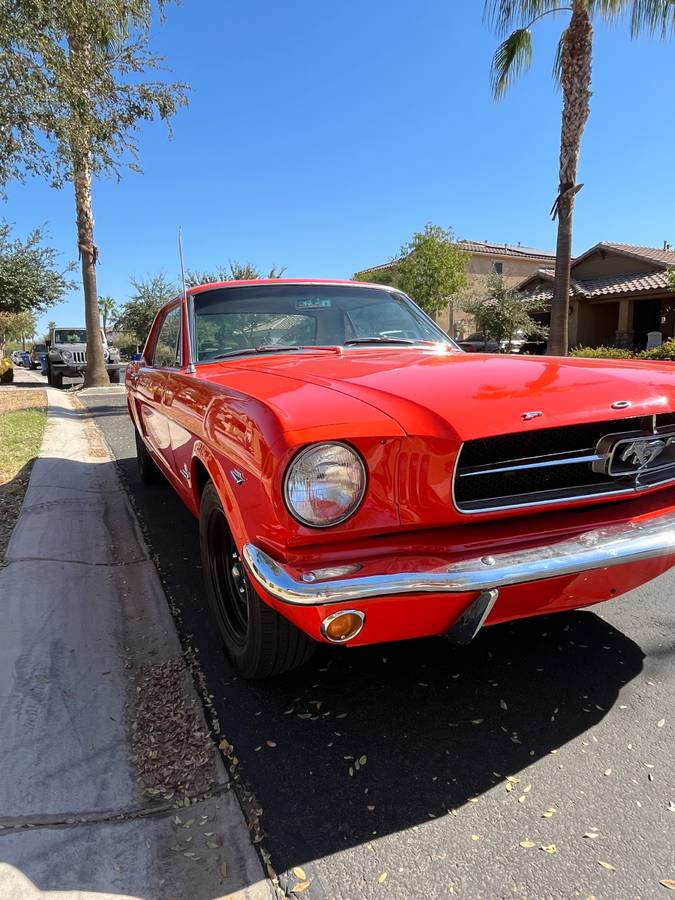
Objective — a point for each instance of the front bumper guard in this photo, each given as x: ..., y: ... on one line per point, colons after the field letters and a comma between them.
x: 598, y: 549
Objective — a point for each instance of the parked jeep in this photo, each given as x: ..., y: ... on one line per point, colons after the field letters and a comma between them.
x: 67, y: 355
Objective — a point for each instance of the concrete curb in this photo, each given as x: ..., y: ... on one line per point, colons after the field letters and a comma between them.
x: 84, y: 610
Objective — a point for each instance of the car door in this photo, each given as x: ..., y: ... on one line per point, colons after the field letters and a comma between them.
x: 152, y: 383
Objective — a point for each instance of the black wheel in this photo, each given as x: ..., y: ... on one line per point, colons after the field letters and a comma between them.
x: 114, y: 376
x: 57, y: 379
x: 148, y: 471
x: 259, y: 642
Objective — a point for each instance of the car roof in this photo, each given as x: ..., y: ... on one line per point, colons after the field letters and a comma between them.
x: 274, y: 281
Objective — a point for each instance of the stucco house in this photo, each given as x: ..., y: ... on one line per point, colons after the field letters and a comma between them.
x: 619, y: 295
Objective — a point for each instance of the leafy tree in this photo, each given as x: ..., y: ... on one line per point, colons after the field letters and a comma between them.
x: 431, y: 268
x: 513, y: 19
x: 30, y: 280
x: 15, y: 326
x: 74, y: 93
x: 108, y: 309
x: 502, y: 312
x: 233, y: 271
x: 138, y: 313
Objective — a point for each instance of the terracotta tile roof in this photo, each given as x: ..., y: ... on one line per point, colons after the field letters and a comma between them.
x: 592, y: 288
x: 655, y: 254
x: 515, y: 250
x: 488, y: 248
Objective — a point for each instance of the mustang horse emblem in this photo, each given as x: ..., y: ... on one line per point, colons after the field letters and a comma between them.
x: 642, y: 453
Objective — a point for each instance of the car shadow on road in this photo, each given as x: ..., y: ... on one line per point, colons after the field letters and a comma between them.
x: 433, y: 727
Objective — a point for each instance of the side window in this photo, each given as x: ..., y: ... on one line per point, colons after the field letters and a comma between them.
x: 167, y: 352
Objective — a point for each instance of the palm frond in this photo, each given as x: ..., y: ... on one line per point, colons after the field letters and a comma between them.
x: 505, y: 16
x: 513, y: 57
x: 653, y: 16
x: 558, y: 61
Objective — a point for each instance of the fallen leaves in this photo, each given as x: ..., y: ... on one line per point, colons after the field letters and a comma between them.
x: 660, y: 724
x: 549, y: 848
x: 592, y: 835
x: 606, y: 865
x: 526, y: 844
x: 300, y: 887
x: 668, y: 883
x: 382, y: 878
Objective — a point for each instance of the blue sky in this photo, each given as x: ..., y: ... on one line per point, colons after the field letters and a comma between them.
x: 321, y: 136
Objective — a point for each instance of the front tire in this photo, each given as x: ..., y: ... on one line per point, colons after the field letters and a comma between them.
x: 114, y: 376
x: 259, y: 642
x: 57, y: 380
x: 148, y: 471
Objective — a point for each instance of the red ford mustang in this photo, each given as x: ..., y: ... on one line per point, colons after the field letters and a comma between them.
x: 359, y: 479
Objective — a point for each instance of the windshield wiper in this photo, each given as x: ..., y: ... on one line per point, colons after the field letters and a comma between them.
x: 381, y: 340
x: 270, y: 348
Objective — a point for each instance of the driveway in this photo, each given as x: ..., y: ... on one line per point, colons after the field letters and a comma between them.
x: 537, y: 763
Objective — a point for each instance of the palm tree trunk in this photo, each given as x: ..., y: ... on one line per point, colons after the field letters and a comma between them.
x: 95, y: 374
x: 576, y: 86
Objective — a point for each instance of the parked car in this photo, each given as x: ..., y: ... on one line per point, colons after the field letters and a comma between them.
x: 359, y: 479
x: 37, y: 354
x: 533, y: 346
x: 513, y: 346
x: 16, y: 357
x: 67, y: 355
x: 480, y: 343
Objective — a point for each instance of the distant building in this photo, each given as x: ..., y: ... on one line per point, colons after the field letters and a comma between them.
x: 513, y: 261
x: 619, y: 295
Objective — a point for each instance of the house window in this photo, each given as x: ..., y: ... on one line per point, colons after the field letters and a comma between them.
x: 498, y: 268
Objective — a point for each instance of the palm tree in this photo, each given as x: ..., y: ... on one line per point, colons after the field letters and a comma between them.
x: 514, y: 20
x: 108, y: 310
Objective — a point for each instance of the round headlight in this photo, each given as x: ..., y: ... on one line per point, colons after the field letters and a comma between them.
x: 67, y: 355
x: 325, y: 484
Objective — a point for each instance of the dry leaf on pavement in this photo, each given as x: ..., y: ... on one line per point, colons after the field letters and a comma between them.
x: 299, y: 872
x: 606, y: 865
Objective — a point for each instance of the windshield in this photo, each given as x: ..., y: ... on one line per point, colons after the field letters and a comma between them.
x: 70, y: 336
x: 301, y: 315
x: 39, y: 348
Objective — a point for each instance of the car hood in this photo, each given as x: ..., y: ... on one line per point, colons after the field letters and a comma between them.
x: 473, y: 396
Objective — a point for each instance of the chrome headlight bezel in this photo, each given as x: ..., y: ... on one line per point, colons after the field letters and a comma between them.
x: 66, y: 355
x: 358, y: 496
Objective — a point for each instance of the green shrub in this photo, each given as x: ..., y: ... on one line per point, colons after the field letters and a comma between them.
x: 602, y: 353
x: 665, y: 351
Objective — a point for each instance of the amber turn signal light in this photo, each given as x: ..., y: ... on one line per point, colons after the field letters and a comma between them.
x: 342, y: 626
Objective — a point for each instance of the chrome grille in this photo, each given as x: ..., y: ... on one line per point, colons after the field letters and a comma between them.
x: 79, y: 356
x: 549, y: 465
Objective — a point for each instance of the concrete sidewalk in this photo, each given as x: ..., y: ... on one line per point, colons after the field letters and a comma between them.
x: 86, y: 637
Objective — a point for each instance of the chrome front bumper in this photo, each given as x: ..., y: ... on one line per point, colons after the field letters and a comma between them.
x: 598, y: 549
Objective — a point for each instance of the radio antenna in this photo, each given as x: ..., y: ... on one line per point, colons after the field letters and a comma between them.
x: 191, y: 368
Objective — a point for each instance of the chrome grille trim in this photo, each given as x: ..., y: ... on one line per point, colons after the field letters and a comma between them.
x: 495, y: 481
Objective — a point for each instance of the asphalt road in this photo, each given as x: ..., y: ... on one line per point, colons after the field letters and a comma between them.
x: 577, y: 709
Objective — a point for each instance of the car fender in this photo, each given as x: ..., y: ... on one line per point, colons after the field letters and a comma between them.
x: 201, y: 453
